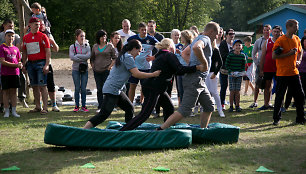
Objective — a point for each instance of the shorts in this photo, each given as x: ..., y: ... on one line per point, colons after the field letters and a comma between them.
x: 10, y: 81
x: 269, y: 75
x: 135, y: 80
x: 245, y: 78
x: 50, y: 80
x: 35, y: 72
x: 234, y: 83
x: 195, y: 90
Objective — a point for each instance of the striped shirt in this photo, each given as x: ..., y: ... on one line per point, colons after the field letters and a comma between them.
x: 235, y: 62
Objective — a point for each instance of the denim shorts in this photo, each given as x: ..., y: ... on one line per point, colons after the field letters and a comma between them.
x: 135, y: 80
x: 35, y: 72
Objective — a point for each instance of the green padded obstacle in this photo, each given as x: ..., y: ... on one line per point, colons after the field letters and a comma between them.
x: 215, y: 133
x: 61, y: 135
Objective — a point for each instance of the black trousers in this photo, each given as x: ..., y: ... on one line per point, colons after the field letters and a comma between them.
x: 151, y: 96
x: 294, y: 85
x: 108, y: 104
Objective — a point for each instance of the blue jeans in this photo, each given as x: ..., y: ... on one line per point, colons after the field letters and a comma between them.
x: 35, y: 72
x: 223, y: 84
x: 80, y: 82
x: 100, y: 78
x: 180, y: 87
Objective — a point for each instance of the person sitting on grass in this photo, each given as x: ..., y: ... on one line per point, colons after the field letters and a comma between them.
x: 113, y: 93
x: 235, y: 64
x: 10, y: 63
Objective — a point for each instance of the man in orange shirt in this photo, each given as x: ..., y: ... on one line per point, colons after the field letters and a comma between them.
x: 287, y: 52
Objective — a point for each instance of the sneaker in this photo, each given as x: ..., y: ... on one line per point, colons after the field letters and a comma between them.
x: 253, y: 105
x: 271, y: 106
x: 195, y: 110
x: 221, y: 113
x: 84, y: 109
x: 275, y: 123
x: 283, y: 109
x: 238, y: 109
x: 55, y: 109
x: 192, y: 114
x: 76, y: 109
x: 98, y: 110
x: 263, y: 108
x: 231, y: 109
x: 15, y: 114
x: 6, y: 115
x: 245, y: 94
x: 223, y: 107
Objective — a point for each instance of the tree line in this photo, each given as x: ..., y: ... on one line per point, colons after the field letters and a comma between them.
x: 92, y: 15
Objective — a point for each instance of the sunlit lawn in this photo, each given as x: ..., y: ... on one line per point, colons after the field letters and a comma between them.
x: 278, y: 148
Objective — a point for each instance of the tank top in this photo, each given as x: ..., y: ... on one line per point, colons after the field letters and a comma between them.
x: 270, y: 64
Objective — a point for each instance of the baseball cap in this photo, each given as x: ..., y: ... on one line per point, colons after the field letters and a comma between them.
x: 10, y: 31
x: 237, y: 41
x: 34, y: 19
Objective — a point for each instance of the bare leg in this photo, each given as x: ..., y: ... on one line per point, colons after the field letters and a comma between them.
x: 232, y: 94
x: 36, y: 93
x: 88, y: 125
x: 246, y: 87
x: 252, y: 86
x: 237, y: 97
x: 6, y: 98
x: 204, y: 119
x: 132, y: 91
x: 174, y: 118
x: 267, y: 92
x: 13, y: 96
x: 44, y: 94
x: 256, y: 92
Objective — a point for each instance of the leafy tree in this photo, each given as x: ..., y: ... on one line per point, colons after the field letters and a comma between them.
x: 7, y: 11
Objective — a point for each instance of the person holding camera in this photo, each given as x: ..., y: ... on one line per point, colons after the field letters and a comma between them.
x: 287, y: 52
x: 268, y: 66
x: 79, y: 53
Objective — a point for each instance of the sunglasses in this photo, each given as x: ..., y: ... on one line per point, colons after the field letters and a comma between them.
x: 231, y: 33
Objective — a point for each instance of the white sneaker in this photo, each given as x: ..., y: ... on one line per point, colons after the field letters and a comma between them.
x: 15, y: 114
x: 6, y: 115
x: 192, y: 114
x: 98, y: 110
x: 55, y: 109
x: 221, y: 113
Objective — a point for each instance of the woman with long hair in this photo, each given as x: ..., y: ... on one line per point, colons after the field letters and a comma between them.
x: 124, y: 67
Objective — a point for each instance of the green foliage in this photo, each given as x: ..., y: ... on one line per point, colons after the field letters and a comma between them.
x: 7, y: 11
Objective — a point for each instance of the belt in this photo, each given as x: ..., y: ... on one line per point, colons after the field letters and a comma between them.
x: 36, y: 61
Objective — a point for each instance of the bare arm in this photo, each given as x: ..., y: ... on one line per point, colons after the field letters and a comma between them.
x: 9, y: 64
x: 142, y: 75
x: 282, y: 55
x: 54, y: 45
x: 263, y: 57
x: 198, y: 51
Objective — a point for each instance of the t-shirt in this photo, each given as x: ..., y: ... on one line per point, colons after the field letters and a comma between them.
x: 248, y: 52
x: 119, y: 75
x: 148, y: 44
x: 180, y: 47
x: 257, y: 48
x: 16, y: 41
x: 286, y: 66
x: 12, y: 55
x: 235, y: 62
x: 207, y: 53
x: 125, y: 36
x: 35, y: 44
x: 270, y: 64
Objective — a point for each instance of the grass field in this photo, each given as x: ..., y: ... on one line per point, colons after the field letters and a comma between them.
x: 278, y: 148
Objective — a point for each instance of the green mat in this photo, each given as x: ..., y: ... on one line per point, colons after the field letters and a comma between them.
x: 215, y: 133
x: 61, y: 135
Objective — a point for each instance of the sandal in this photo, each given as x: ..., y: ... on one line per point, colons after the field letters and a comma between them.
x: 35, y: 110
x: 43, y: 112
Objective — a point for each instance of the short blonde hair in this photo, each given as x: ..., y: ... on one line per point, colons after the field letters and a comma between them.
x: 175, y: 31
x: 166, y: 43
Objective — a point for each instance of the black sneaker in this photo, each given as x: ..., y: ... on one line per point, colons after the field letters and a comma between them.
x: 275, y: 123
x: 263, y: 108
x: 253, y: 105
x: 238, y: 109
x: 231, y: 109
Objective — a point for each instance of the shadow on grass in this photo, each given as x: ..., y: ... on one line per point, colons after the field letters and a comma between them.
x: 283, y: 154
x: 54, y: 159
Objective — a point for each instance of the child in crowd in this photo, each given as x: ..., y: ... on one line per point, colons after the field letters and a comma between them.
x: 247, y: 49
x: 10, y: 59
x: 235, y: 64
x: 40, y: 13
x: 79, y: 53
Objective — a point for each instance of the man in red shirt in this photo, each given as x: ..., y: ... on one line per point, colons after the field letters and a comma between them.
x: 36, y: 57
x: 268, y: 65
